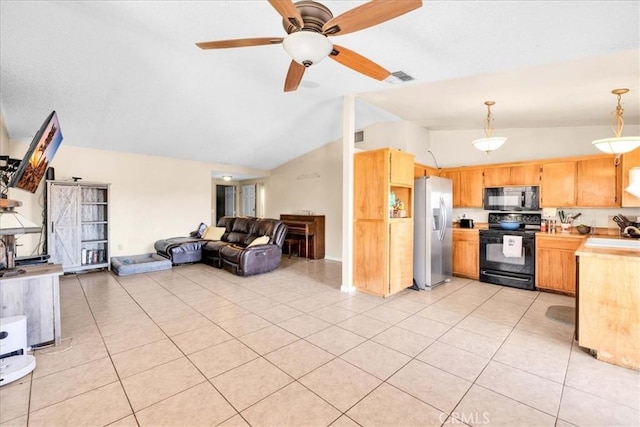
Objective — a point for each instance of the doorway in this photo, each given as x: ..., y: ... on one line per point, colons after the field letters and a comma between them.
x: 249, y: 200
x: 225, y: 201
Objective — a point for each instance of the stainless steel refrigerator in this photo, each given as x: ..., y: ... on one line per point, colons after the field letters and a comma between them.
x: 432, y: 240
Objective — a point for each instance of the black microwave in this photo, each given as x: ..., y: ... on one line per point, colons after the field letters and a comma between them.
x: 512, y: 198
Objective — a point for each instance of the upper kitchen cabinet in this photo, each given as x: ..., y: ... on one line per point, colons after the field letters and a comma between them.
x: 629, y: 160
x: 422, y: 170
x: 558, y: 184
x: 591, y: 181
x: 454, y: 176
x: 402, y: 168
x: 598, y: 183
x: 520, y: 175
x: 467, y: 187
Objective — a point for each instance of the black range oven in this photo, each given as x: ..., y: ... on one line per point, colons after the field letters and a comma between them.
x: 498, y: 262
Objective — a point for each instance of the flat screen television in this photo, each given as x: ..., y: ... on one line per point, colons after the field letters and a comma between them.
x: 36, y: 160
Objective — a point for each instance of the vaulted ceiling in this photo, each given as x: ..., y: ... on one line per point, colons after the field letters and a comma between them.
x: 127, y: 76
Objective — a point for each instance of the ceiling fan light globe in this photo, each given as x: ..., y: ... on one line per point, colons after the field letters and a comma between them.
x: 307, y: 47
x: 489, y: 144
x: 617, y: 145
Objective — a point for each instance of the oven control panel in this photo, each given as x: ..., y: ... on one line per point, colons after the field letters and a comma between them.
x: 528, y: 219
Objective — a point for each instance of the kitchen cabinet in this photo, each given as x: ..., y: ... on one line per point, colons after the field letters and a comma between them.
x: 608, y: 304
x: 78, y: 225
x: 454, y: 176
x: 628, y: 161
x: 597, y: 182
x: 467, y: 187
x: 383, y: 245
x: 466, y: 253
x: 36, y: 295
x: 521, y: 175
x: 401, y: 168
x: 580, y: 182
x: 558, y: 184
x: 556, y: 262
x: 422, y: 170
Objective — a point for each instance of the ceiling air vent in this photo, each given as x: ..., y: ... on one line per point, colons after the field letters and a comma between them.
x: 399, y: 77
x: 359, y: 136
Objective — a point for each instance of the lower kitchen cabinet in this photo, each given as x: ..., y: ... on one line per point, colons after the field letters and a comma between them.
x: 466, y: 253
x: 556, y: 262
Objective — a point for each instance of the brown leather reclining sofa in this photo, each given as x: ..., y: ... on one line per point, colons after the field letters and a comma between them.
x: 234, y: 251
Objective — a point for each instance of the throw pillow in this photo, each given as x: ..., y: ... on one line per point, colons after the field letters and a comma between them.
x: 259, y: 241
x: 202, y: 228
x: 214, y: 233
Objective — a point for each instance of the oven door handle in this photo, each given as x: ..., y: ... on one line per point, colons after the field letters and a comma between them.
x: 486, y: 273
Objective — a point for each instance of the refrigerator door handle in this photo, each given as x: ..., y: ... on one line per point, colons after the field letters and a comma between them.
x: 443, y: 226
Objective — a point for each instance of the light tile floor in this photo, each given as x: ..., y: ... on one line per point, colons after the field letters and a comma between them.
x: 198, y: 346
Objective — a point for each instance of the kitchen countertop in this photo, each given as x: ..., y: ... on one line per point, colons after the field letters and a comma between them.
x: 476, y: 226
x: 603, y: 252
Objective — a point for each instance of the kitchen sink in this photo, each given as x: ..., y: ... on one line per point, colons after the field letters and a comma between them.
x: 601, y: 242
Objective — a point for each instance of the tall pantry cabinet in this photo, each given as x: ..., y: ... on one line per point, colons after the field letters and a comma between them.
x: 78, y: 225
x: 383, y: 238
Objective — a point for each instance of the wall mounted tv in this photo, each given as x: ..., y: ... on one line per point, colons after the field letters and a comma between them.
x: 35, y: 162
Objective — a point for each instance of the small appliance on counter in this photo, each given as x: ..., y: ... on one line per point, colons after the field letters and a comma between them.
x: 466, y: 223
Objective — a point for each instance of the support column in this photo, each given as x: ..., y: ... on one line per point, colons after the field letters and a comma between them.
x: 348, y: 143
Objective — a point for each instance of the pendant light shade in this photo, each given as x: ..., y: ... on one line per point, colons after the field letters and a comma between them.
x: 307, y: 47
x: 489, y: 143
x: 618, y: 144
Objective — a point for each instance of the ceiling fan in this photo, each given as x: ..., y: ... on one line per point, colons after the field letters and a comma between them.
x: 308, y: 23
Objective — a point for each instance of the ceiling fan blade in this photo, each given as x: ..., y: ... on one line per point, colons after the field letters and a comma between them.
x: 294, y: 76
x: 288, y: 11
x: 373, y: 13
x: 359, y: 63
x: 223, y: 44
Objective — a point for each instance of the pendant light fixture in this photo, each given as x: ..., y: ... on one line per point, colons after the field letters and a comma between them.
x: 489, y: 143
x: 618, y: 144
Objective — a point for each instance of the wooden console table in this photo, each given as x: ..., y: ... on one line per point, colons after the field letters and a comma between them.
x: 309, y: 228
x: 35, y: 294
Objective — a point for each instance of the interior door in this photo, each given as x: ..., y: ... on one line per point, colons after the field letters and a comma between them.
x: 249, y: 200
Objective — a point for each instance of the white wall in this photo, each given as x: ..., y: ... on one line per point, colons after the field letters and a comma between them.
x: 312, y: 182
x: 404, y: 135
x: 4, y: 137
x: 151, y: 197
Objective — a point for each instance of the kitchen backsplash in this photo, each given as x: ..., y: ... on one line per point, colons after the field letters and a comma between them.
x: 601, y: 215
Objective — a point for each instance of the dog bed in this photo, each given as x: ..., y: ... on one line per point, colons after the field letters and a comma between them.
x: 135, y: 264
